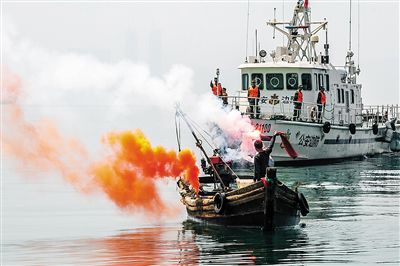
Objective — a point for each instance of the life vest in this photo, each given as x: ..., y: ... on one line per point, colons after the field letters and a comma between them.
x: 322, y: 97
x: 253, y: 92
x: 214, y: 90
x: 219, y: 90
x: 299, y: 96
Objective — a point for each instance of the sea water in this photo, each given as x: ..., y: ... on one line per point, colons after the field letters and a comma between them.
x: 353, y: 219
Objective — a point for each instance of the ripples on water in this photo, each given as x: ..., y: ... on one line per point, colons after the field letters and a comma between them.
x: 354, y: 219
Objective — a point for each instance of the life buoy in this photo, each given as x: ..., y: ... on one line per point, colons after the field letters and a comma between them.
x: 326, y: 127
x: 303, y: 204
x: 375, y: 129
x: 352, y: 129
x: 219, y: 202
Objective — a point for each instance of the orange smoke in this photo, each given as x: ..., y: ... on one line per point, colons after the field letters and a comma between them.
x: 127, y: 177
x: 39, y: 146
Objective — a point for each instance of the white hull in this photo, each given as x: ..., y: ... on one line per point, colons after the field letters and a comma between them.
x: 312, y: 144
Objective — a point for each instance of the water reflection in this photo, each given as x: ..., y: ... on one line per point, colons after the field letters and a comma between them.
x: 230, y: 245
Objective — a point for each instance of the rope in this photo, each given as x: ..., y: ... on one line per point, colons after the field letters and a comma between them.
x: 214, y: 148
x: 178, y: 131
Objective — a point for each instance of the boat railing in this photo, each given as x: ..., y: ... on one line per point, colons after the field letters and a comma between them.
x: 380, y: 114
x: 284, y: 109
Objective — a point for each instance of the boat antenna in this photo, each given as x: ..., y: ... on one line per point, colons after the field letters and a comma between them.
x: 273, y: 35
x: 350, y: 29
x: 247, y: 27
x: 256, y: 43
x: 283, y: 19
x: 199, y: 144
x: 358, y: 36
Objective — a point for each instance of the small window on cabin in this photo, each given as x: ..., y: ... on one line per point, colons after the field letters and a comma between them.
x: 316, y: 82
x: 342, y: 96
x: 327, y: 82
x: 352, y: 96
x: 245, y: 81
x: 274, y: 81
x: 338, y: 96
x: 292, y: 81
x: 320, y: 81
x: 259, y: 78
x: 306, y: 81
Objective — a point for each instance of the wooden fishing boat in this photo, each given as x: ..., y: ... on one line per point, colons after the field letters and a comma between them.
x: 235, y: 199
x: 267, y: 203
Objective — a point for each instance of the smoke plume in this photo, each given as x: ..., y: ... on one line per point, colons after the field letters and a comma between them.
x: 101, y: 97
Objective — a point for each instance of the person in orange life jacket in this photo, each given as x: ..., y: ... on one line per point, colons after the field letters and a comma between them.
x: 261, y: 160
x: 298, y: 102
x: 253, y: 94
x: 224, y: 97
x: 321, y: 102
x: 216, y: 87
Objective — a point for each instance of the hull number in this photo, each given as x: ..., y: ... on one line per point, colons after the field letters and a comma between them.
x: 263, y: 128
x: 309, y: 141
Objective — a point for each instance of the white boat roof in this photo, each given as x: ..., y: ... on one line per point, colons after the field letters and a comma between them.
x: 284, y: 64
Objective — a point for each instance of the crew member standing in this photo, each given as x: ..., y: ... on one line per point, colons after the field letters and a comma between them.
x: 224, y: 97
x: 298, y: 102
x: 253, y: 94
x: 261, y: 159
x: 216, y: 87
x: 321, y: 102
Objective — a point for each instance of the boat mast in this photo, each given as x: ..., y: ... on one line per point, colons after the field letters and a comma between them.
x: 200, y: 146
x: 351, y: 70
x: 301, y: 38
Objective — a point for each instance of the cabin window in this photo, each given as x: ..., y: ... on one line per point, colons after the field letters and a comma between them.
x: 320, y: 80
x: 338, y: 96
x: 245, y: 81
x: 352, y: 96
x: 292, y: 81
x: 274, y: 81
x: 342, y: 96
x: 327, y: 82
x: 316, y: 82
x: 306, y: 81
x: 259, y: 78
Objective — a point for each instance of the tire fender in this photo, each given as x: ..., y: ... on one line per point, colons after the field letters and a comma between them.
x: 375, y: 129
x: 219, y: 202
x: 326, y: 127
x: 352, y: 128
x: 303, y: 204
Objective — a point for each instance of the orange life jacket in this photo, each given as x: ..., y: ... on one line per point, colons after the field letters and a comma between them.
x: 323, y: 97
x: 299, y: 96
x: 219, y: 90
x: 214, y: 90
x: 253, y: 92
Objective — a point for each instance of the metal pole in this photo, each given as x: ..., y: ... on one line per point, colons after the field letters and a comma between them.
x: 198, y: 144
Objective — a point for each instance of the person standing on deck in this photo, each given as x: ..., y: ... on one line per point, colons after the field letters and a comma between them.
x: 216, y: 87
x: 321, y: 102
x: 261, y: 160
x: 224, y: 97
x: 253, y: 94
x: 298, y: 102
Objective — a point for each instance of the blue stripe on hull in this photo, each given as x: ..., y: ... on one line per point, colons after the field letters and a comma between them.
x: 352, y: 141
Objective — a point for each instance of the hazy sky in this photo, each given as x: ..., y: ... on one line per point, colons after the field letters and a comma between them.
x: 207, y: 35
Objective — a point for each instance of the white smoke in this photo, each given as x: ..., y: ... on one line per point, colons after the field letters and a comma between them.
x: 56, y: 79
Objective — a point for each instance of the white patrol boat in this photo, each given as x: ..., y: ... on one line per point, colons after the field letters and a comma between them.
x: 347, y: 128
